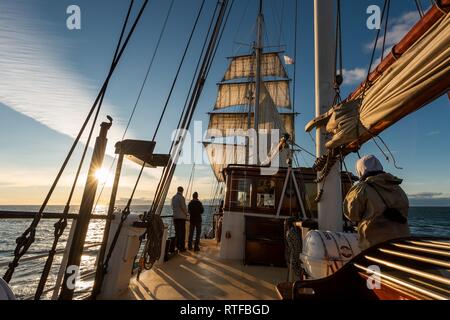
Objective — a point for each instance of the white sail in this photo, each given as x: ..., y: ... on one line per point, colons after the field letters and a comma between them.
x: 233, y: 113
x: 240, y: 94
x: 221, y: 155
x: 236, y: 124
x: 245, y: 67
x: 269, y: 117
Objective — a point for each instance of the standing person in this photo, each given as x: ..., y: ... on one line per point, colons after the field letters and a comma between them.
x: 378, y: 204
x: 180, y: 213
x: 195, y: 211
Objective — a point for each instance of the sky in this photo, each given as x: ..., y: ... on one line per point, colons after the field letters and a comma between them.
x: 50, y: 76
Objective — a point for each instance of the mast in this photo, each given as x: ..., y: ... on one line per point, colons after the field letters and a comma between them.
x: 258, y: 52
x: 84, y: 216
x: 330, y: 207
x: 249, y: 124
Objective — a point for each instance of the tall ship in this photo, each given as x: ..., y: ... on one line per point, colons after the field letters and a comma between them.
x: 278, y: 230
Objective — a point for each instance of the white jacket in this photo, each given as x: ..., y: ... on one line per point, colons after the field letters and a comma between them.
x: 179, y: 207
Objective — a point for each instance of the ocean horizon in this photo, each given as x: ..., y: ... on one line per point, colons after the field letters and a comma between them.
x: 424, y: 221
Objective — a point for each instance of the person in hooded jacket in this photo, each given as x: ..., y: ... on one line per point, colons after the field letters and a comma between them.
x: 377, y: 204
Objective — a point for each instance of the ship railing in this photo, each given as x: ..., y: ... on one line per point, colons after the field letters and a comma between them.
x: 84, y: 276
x: 24, y: 215
x: 45, y: 255
x: 207, y: 224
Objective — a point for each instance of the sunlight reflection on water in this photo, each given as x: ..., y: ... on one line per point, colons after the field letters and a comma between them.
x: 423, y: 222
x: 27, y: 274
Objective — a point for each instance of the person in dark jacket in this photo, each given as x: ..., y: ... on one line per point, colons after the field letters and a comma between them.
x: 196, y: 210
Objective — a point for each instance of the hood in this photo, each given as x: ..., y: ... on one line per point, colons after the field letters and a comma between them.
x: 367, y: 165
x: 385, y: 180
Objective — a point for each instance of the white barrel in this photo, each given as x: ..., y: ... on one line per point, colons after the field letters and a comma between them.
x: 326, y: 252
x: 120, y: 266
x: 5, y: 291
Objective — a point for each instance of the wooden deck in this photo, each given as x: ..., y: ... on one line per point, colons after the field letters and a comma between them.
x: 204, y: 276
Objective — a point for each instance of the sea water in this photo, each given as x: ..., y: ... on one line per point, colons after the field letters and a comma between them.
x: 424, y: 221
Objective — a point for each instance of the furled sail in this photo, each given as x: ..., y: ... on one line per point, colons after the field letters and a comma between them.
x: 245, y: 66
x: 420, y: 75
x: 239, y: 94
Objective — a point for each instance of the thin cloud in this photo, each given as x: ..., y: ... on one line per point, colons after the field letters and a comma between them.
x: 432, y: 199
x: 397, y: 29
x: 427, y: 195
x: 136, y: 202
x: 35, y: 78
x: 354, y: 76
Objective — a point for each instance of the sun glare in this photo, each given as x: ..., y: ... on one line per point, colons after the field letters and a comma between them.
x: 102, y: 175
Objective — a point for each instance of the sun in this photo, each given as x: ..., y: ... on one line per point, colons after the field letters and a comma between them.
x: 102, y: 175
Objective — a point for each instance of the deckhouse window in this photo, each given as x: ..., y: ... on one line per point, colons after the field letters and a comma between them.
x: 265, y: 194
x: 243, y: 193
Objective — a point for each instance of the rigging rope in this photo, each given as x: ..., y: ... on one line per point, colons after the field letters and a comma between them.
x: 160, y: 183
x: 244, y: 15
x: 150, y: 65
x: 385, y: 30
x: 63, y: 225
x: 130, y: 119
x: 325, y: 163
x: 25, y: 241
x: 419, y: 8
x: 385, y: 15
x: 127, y: 210
x: 152, y: 250
x: 191, y: 182
x: 178, y: 71
x: 188, y: 115
x: 374, y: 50
x: 294, y: 95
x: 188, y: 110
x: 338, y: 52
